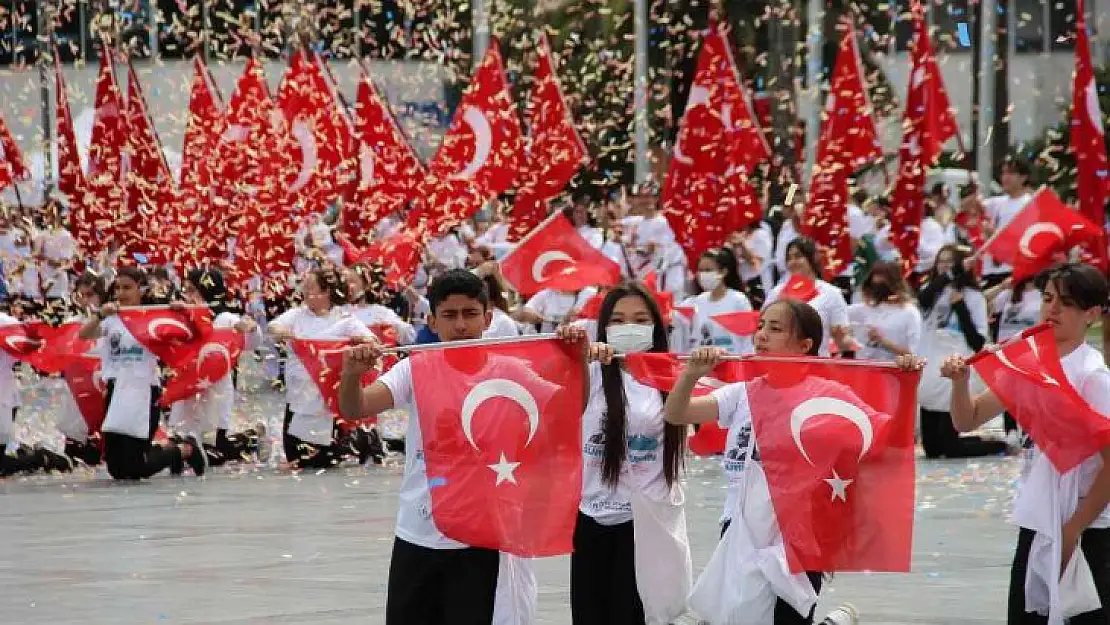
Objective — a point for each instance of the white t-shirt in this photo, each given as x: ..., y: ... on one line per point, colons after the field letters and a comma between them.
x: 9, y: 386
x: 899, y: 323
x: 122, y: 357
x: 376, y: 314
x: 657, y: 231
x: 312, y: 420
x: 448, y: 251
x: 761, y: 245
x: 787, y: 233
x: 501, y: 326
x: 592, y: 235
x: 735, y: 415
x: 941, y: 318
x: 1017, y: 317
x: 1001, y: 210
x: 554, y: 306
x: 642, y: 469
x: 829, y: 304
x: 706, y: 331
x: 929, y: 242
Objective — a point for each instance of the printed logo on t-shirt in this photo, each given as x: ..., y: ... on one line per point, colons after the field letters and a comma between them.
x: 738, y: 453
x: 121, y: 354
x: 594, y: 447
x: 642, y: 449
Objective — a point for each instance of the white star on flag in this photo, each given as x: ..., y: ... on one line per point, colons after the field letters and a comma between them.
x: 504, y: 470
x: 839, y: 487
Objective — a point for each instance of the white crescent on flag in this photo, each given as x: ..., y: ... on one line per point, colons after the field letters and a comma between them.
x: 818, y: 406
x: 499, y: 387
x: 213, y: 348
x: 1094, y: 111
x: 17, y: 343
x: 543, y: 260
x: 1030, y: 233
x: 483, y: 142
x: 153, y: 326
x: 309, y: 158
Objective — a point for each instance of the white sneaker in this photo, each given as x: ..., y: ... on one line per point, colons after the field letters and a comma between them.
x: 846, y: 614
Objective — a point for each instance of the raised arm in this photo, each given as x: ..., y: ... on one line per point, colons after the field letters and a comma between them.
x: 91, y: 329
x: 968, y: 413
x: 683, y: 409
x: 355, y: 401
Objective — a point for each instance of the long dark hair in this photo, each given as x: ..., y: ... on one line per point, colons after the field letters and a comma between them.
x: 614, y: 423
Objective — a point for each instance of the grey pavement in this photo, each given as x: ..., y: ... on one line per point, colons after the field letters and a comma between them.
x: 255, y: 544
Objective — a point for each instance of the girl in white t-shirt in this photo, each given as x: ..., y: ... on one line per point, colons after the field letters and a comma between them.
x: 131, y: 374
x: 308, y: 431
x: 786, y: 327
x: 365, y: 290
x: 1072, y: 302
x: 887, y: 323
x: 629, y: 450
x: 801, y: 260
x: 718, y: 279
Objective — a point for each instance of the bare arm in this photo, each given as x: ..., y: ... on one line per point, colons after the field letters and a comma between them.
x: 681, y: 408
x: 355, y: 401
x: 91, y: 329
x: 968, y: 413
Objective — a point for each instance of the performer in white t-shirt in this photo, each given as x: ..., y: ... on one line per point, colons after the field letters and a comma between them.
x: 721, y: 293
x: 1001, y: 210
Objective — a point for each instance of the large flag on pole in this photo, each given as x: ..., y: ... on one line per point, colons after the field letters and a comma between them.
x: 1088, y: 136
x: 199, y: 164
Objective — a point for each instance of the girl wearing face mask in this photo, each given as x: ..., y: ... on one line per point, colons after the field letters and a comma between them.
x: 627, y: 447
x: 365, y: 289
x: 131, y: 374
x: 1071, y: 302
x: 886, y: 324
x: 721, y: 293
x: 801, y: 260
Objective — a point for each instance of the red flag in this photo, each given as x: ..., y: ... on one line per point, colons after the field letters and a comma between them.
x: 480, y: 154
x: 739, y: 323
x: 148, y: 222
x: 12, y: 166
x: 399, y: 256
x: 1026, y: 376
x: 199, y: 164
x: 16, y: 341
x: 836, y: 442
x: 502, y: 434
x: 556, y: 150
x: 323, y: 359
x: 1043, y: 228
x: 389, y: 170
x: 106, y: 150
x: 687, y: 312
x: 205, y: 363
x: 1088, y: 136
x: 82, y: 376
x: 173, y: 336
x: 927, y: 124
x: 323, y: 139
x: 555, y: 256
x: 60, y: 344
x: 800, y: 288
x: 71, y: 177
x: 662, y: 370
x: 848, y: 141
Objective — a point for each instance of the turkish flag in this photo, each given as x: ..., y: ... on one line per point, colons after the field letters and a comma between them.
x: 203, y: 241
x: 59, y: 345
x: 480, y: 155
x: 837, y: 447
x: 662, y: 370
x: 71, y: 177
x: 1088, y: 139
x: 928, y: 124
x: 502, y: 431
x: 555, y: 256
x: 107, y: 150
x: 205, y: 363
x: 1026, y: 376
x: 323, y: 359
x: 799, y: 288
x: 1043, y: 228
x: 16, y: 341
x: 389, y: 171
x: 848, y: 141
x: 82, y: 376
x: 556, y: 151
x: 12, y: 166
x: 743, y: 323
x: 172, y: 336
x: 399, y: 255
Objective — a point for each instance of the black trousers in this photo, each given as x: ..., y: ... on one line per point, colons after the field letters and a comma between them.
x: 603, y: 575
x: 1095, y: 544
x: 86, y: 451
x: 993, y: 279
x: 231, y: 447
x: 19, y: 463
x: 130, y: 458
x: 941, y: 440
x: 440, y: 586
x: 785, y: 614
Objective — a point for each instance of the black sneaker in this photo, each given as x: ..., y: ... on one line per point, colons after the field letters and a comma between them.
x: 198, y: 460
x: 55, y: 462
x: 377, y: 449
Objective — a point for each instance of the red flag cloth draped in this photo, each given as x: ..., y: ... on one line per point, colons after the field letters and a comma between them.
x: 661, y: 371
x: 71, y: 177
x: 172, y: 336
x: 836, y: 442
x: 1088, y: 138
x: 56, y: 345
x: 502, y: 432
x: 1026, y: 376
x: 323, y: 359
x: 107, y: 151
x: 399, y: 256
x: 82, y: 376
x: 323, y: 140
x: 199, y: 163
x: 739, y: 323
x: 555, y: 256
x: 480, y: 155
x: 927, y: 124
x: 12, y: 166
x: 556, y: 150
x: 848, y: 141
x: 1043, y: 228
x: 800, y: 288
x: 148, y: 222
x: 706, y: 195
x: 389, y: 171
x: 205, y: 363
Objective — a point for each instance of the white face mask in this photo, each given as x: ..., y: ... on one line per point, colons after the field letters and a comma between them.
x: 630, y: 338
x: 709, y: 280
